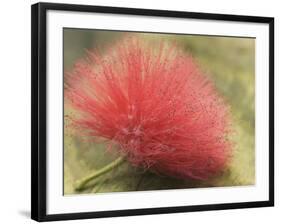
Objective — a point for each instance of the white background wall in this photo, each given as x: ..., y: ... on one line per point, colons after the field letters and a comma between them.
x: 15, y: 110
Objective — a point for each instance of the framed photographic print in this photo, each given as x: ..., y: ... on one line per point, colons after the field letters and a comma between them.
x: 139, y: 111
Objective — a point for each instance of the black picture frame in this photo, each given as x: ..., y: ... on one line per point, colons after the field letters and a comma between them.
x: 39, y: 107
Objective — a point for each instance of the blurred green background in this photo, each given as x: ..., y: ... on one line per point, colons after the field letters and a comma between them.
x: 228, y: 61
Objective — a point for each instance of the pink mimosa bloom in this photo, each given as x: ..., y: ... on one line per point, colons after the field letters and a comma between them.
x: 156, y: 105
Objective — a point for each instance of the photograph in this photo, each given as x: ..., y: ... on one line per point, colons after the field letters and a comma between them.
x: 150, y: 111
x: 141, y: 111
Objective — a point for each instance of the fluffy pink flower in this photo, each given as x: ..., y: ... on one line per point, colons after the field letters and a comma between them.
x: 156, y: 105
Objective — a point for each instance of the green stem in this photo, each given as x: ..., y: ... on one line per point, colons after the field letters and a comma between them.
x: 81, y: 184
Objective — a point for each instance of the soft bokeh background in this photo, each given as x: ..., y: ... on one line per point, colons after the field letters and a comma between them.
x: 228, y: 61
